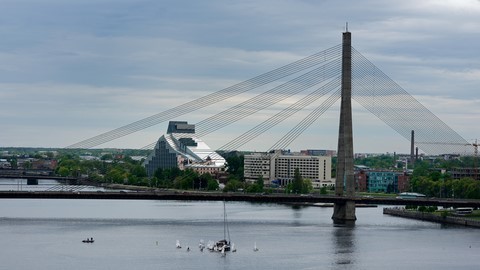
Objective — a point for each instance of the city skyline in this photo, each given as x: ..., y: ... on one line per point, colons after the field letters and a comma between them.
x: 74, y: 70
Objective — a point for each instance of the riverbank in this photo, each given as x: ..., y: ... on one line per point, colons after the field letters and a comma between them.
x: 456, y: 220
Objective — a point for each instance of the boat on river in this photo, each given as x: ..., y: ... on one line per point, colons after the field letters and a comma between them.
x: 224, y: 244
x: 88, y: 240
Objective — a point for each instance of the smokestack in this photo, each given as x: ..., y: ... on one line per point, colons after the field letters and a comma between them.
x: 416, y: 153
x: 412, y: 147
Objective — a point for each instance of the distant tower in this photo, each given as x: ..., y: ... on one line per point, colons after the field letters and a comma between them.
x: 345, y: 212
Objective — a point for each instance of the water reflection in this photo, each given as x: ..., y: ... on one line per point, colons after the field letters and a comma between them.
x: 344, y: 246
x: 297, y: 215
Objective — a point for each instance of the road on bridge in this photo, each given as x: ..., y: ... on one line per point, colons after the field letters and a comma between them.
x: 221, y: 196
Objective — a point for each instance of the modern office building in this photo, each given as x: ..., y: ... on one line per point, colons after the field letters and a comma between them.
x: 180, y: 148
x: 279, y: 168
x: 383, y: 181
x: 368, y: 180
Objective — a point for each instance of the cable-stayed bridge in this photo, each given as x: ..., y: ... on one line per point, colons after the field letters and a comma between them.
x: 315, y: 78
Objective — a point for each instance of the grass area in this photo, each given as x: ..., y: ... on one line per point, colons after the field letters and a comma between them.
x: 475, y: 215
x: 376, y: 194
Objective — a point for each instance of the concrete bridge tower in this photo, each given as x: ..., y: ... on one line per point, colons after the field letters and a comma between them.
x: 345, y: 182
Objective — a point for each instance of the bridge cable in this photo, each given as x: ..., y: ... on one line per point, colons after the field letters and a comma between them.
x: 212, y: 98
x: 268, y: 98
x: 279, y: 117
x: 394, y: 106
x: 293, y: 134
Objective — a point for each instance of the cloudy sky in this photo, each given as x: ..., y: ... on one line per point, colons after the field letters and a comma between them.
x: 70, y: 70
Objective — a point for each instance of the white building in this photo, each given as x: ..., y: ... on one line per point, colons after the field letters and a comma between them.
x: 280, y: 168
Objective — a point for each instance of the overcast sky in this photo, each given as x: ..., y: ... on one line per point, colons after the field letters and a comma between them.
x: 70, y: 70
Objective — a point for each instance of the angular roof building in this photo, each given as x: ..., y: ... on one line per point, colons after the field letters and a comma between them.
x: 182, y: 149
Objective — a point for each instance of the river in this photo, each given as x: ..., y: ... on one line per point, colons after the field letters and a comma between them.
x: 47, y: 234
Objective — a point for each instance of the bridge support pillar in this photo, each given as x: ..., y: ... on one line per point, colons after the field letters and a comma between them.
x: 32, y: 182
x: 345, y: 212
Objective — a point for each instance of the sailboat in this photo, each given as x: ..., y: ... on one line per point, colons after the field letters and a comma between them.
x: 223, y: 245
x: 255, y: 247
x: 178, y: 244
x: 201, y: 245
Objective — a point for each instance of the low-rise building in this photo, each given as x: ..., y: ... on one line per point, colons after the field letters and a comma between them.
x: 459, y: 173
x: 5, y: 164
x: 279, y: 168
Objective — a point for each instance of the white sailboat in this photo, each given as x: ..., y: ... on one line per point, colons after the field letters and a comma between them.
x: 233, y: 248
x: 255, y: 247
x: 201, y: 245
x: 178, y: 244
x: 210, y: 245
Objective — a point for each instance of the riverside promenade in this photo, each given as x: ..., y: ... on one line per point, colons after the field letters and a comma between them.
x: 456, y: 220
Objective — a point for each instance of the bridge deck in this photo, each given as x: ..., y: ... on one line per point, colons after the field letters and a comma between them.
x: 210, y: 196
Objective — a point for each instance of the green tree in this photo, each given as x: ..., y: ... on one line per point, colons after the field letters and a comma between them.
x: 63, y: 171
x: 27, y: 165
x: 260, y: 183
x: 115, y: 176
x: 203, y: 180
x: 184, y: 182
x: 139, y: 171
x: 233, y: 185
x: 297, y: 183
x: 212, y: 184
x: 107, y: 157
x: 421, y: 169
x: 234, y: 165
x: 307, y: 186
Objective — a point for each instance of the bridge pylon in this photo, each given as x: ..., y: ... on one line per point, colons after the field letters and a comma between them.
x: 345, y: 212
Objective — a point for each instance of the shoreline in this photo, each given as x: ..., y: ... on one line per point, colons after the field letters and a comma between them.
x: 455, y: 220
x: 327, y: 204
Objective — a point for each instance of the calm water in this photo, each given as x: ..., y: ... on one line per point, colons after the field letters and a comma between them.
x: 47, y: 234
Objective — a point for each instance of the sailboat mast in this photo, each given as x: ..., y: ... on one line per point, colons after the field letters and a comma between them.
x: 224, y: 221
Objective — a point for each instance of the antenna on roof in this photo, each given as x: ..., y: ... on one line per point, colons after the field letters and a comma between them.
x: 346, y: 27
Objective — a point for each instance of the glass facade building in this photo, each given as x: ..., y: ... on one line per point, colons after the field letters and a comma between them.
x: 182, y: 149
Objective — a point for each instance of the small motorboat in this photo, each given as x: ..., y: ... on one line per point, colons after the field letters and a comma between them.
x: 88, y: 240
